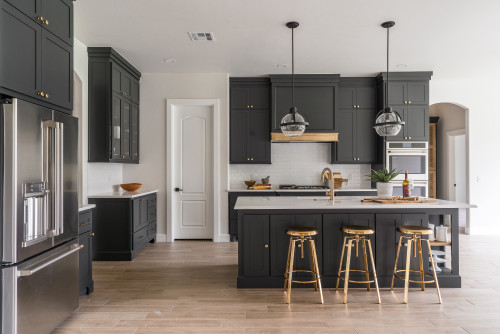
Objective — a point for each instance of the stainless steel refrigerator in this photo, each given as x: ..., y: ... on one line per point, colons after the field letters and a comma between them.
x: 39, y: 245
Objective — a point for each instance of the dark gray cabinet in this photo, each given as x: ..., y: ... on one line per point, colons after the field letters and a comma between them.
x: 355, y: 118
x: 249, y: 121
x: 85, y: 235
x: 409, y: 96
x: 113, y: 108
x: 37, y: 54
x: 315, y: 98
x: 256, y: 244
x: 123, y: 226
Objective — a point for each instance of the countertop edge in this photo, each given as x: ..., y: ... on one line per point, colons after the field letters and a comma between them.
x: 124, y: 194
x: 86, y: 207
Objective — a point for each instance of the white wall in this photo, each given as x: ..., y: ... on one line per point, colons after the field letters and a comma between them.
x: 299, y: 163
x: 155, y: 89
x: 478, y: 93
x: 96, y: 177
x: 451, y: 117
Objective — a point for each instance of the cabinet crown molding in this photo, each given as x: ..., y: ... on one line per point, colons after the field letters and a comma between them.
x: 406, y: 76
x: 110, y: 53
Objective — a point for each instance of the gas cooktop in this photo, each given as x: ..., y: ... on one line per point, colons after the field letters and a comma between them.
x: 302, y: 187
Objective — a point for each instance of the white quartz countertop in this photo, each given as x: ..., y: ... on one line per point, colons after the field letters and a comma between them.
x: 296, y: 190
x: 125, y: 194
x: 86, y: 207
x: 341, y: 203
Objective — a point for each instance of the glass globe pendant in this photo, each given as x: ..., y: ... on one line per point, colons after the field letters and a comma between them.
x: 293, y: 124
x: 388, y: 121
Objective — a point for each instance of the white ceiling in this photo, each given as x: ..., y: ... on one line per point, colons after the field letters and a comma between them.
x: 450, y: 37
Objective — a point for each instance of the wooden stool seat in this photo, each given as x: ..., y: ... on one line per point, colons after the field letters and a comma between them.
x: 298, y: 236
x: 356, y: 229
x: 301, y: 231
x: 418, y: 230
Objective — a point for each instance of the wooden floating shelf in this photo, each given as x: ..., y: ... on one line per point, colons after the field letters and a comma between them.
x: 436, y: 243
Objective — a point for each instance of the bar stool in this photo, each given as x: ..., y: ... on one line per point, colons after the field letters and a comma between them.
x: 413, y: 234
x: 300, y: 235
x: 354, y: 236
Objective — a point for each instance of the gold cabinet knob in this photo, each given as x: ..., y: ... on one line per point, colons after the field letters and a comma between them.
x: 251, y: 107
x: 266, y: 246
x: 42, y: 94
x: 123, y: 156
x: 46, y: 22
x: 357, y: 107
x: 92, y: 234
x: 354, y: 106
x: 409, y: 102
x: 251, y: 158
x: 248, y: 158
x: 46, y: 95
x: 248, y: 107
x: 409, y: 137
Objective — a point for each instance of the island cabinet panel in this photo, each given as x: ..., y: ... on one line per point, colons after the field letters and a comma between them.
x: 85, y: 236
x: 280, y: 241
x: 256, y: 244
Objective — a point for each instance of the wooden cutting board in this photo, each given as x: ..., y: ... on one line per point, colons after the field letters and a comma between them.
x: 399, y: 200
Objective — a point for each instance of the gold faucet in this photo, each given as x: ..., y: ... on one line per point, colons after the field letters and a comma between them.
x: 325, y: 175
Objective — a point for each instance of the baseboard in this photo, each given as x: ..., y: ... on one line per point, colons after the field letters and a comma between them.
x: 223, y: 238
x: 161, y: 238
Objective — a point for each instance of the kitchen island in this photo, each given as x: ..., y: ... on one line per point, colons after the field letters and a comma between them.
x: 263, y: 243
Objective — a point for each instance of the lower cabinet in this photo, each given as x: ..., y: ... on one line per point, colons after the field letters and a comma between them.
x: 123, y: 226
x: 85, y: 235
x: 256, y: 243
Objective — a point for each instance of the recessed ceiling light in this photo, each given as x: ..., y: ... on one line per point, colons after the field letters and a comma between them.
x: 402, y: 65
x: 282, y: 65
x: 169, y: 60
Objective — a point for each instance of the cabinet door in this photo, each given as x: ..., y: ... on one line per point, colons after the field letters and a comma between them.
x: 58, y: 16
x: 125, y: 129
x: 20, y: 40
x: 256, y: 245
x: 239, y: 98
x: 144, y: 214
x: 345, y: 126
x: 414, y: 219
x: 417, y: 122
x: 134, y: 93
x: 418, y: 92
x: 116, y: 108
x: 239, y: 136
x: 260, y: 143
x: 366, y: 97
x: 332, y: 242
x: 366, y: 149
x: 347, y: 97
x: 397, y: 93
x: 386, y: 245
x: 57, y: 71
x: 401, y: 110
x: 279, y: 242
x: 126, y: 84
x: 85, y: 260
x: 31, y: 8
x: 134, y: 132
x: 116, y: 79
x: 260, y: 97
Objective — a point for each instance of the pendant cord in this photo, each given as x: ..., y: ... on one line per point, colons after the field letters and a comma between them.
x: 293, y: 75
x: 387, y: 88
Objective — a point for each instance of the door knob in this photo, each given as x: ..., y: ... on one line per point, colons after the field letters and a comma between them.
x: 178, y: 189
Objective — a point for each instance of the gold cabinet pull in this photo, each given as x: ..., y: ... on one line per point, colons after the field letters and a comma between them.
x: 92, y: 234
x: 266, y: 246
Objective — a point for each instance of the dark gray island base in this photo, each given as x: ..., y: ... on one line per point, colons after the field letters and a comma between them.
x: 263, y: 243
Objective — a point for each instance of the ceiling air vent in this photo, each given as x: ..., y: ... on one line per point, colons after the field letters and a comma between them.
x: 202, y: 36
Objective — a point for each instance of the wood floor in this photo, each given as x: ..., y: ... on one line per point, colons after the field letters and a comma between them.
x: 190, y: 287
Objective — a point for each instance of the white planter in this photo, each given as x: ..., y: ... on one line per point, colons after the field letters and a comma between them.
x: 384, y: 189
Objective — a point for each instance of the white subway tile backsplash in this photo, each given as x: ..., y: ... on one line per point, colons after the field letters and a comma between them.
x: 299, y: 163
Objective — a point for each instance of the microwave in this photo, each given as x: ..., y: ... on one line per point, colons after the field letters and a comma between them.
x: 419, y: 188
x: 410, y: 156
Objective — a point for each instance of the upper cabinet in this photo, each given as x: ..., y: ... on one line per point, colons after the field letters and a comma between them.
x: 355, y: 118
x: 37, y: 51
x: 409, y: 96
x: 113, y: 107
x: 315, y: 99
x: 250, y: 116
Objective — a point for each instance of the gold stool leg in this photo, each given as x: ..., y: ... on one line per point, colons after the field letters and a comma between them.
x: 317, y: 274
x: 421, y: 263
x: 344, y: 244
x: 407, y: 273
x: 374, y: 270
x: 365, y: 260
x: 290, y: 272
x: 434, y: 271
x: 287, y: 264
x: 396, y: 263
x: 313, y: 270
x: 347, y: 267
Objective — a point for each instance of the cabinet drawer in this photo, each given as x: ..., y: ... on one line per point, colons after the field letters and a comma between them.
x: 140, y: 237
x: 152, y: 230
x: 85, y: 222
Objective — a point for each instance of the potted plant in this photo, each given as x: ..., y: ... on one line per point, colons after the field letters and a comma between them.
x: 383, y: 177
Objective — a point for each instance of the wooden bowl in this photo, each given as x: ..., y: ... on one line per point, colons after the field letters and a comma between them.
x: 250, y: 183
x: 131, y: 186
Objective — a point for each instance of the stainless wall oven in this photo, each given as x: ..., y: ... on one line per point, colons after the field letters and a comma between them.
x: 39, y: 248
x: 410, y: 156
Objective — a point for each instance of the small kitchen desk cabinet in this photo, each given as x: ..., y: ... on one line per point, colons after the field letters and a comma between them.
x: 85, y: 236
x: 124, y: 223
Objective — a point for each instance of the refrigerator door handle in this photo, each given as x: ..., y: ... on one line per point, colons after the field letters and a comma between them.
x: 59, y: 166
x: 29, y: 272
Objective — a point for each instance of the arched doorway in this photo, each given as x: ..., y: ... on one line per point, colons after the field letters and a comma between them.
x: 452, y: 141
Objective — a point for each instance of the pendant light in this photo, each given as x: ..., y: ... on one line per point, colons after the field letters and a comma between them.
x: 293, y: 124
x: 388, y: 121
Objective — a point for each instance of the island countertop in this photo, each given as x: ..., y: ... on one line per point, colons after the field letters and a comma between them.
x: 341, y: 203
x: 125, y: 194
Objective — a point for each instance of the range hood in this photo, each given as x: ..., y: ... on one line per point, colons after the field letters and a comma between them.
x: 307, y: 137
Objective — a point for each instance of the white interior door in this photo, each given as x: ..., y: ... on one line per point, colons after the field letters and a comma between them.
x: 192, y: 180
